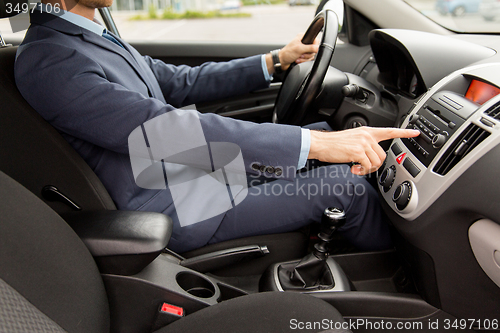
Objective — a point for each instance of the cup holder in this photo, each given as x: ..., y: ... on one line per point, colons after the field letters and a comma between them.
x: 195, y: 285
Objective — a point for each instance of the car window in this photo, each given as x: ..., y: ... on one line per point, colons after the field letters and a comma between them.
x: 16, y: 36
x: 6, y: 30
x: 274, y: 21
x: 461, y: 15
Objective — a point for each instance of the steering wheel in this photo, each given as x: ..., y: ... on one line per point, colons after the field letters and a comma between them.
x: 302, y: 82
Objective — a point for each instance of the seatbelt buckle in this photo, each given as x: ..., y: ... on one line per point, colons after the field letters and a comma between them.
x: 167, y: 314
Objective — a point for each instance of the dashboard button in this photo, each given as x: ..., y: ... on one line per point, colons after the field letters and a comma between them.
x: 400, y: 158
x: 434, y: 128
x: 425, y: 137
x: 396, y: 149
x: 411, y: 167
x: 487, y: 122
x: 414, y: 118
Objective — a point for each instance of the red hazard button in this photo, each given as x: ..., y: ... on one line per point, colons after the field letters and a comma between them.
x: 400, y: 158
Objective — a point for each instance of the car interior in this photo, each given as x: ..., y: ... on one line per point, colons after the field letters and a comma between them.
x: 70, y: 261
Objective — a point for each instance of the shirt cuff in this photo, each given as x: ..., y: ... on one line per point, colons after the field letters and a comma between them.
x: 305, y: 147
x: 267, y: 76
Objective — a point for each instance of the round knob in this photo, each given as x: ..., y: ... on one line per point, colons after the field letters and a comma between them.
x: 350, y: 90
x: 438, y: 140
x: 402, y: 195
x: 333, y: 218
x: 387, y: 178
x: 414, y: 118
x: 333, y: 215
x: 356, y: 121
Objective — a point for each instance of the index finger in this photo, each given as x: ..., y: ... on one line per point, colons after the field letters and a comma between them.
x: 381, y: 134
x: 310, y: 48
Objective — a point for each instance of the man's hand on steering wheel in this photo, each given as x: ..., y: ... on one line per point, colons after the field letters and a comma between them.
x: 301, y: 87
x: 295, y: 51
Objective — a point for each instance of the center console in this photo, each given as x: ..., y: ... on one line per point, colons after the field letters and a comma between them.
x: 149, y: 287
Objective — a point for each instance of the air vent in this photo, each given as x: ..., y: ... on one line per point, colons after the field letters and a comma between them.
x: 472, y: 136
x: 494, y: 111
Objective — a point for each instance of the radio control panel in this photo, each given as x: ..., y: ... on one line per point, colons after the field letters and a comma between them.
x: 437, y: 121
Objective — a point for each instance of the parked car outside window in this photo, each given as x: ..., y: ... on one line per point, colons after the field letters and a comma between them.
x: 457, y: 7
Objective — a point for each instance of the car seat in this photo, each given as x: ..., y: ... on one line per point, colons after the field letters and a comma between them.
x: 49, y: 282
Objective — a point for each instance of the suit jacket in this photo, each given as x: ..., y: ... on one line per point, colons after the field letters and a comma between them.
x: 96, y: 93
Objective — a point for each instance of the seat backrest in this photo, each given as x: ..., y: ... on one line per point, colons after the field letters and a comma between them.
x: 33, y: 153
x: 48, y: 279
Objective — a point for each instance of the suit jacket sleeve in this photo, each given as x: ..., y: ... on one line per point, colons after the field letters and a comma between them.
x: 71, y: 91
x: 184, y: 85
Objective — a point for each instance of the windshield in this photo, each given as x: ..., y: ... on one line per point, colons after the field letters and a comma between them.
x: 461, y: 15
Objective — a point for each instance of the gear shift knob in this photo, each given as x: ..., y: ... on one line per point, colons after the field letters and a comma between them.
x: 333, y: 218
x: 334, y: 214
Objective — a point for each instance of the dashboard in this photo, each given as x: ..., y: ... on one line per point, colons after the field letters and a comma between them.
x: 459, y: 123
x: 455, y: 106
x: 440, y: 189
x: 458, y: 120
x: 452, y: 88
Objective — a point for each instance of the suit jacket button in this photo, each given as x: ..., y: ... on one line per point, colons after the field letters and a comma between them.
x: 262, y: 168
x: 270, y: 169
x: 278, y: 171
x: 255, y: 167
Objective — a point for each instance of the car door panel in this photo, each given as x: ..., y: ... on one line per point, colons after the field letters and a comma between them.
x: 256, y: 106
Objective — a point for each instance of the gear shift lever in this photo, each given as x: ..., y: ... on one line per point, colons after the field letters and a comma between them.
x: 310, y: 271
x: 333, y: 218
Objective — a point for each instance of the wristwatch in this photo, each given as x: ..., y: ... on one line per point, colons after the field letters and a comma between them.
x: 276, y: 61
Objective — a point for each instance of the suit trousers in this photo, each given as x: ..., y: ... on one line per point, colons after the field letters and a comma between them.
x: 277, y: 206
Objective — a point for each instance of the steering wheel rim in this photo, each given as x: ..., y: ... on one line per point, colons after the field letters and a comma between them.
x: 302, y: 82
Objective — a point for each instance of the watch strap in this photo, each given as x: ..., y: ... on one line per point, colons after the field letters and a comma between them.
x: 276, y: 61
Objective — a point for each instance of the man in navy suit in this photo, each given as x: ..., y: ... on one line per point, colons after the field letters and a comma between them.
x: 95, y: 89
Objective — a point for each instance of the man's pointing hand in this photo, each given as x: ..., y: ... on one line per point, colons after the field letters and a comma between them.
x: 359, y: 145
